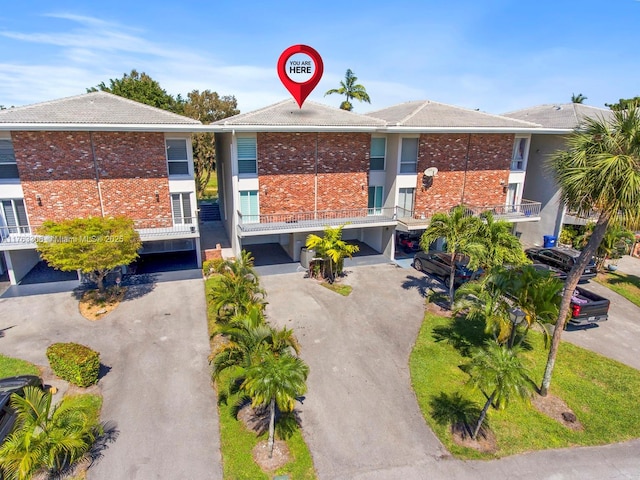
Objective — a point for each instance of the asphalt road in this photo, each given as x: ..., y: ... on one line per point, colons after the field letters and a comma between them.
x: 157, y: 394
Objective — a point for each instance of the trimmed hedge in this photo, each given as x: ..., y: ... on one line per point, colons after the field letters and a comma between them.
x: 74, y: 363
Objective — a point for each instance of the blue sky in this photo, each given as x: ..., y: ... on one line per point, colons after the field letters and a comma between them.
x: 497, y: 55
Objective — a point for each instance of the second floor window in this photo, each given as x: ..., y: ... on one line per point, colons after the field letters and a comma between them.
x: 8, y: 166
x: 177, y: 156
x: 375, y: 200
x: 376, y: 157
x: 405, y: 201
x: 181, y: 207
x: 409, y: 155
x: 249, y: 208
x: 14, y: 217
x: 519, y: 157
x: 247, y: 155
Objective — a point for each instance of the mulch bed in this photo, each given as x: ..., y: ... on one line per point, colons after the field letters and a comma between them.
x: 555, y: 408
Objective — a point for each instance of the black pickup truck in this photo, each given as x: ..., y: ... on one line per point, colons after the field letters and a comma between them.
x: 588, y: 307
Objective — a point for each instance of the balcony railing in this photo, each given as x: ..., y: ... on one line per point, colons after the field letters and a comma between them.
x: 25, y: 236
x: 526, y: 211
x: 314, y: 220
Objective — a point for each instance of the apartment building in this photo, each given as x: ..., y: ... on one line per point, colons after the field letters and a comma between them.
x: 95, y: 154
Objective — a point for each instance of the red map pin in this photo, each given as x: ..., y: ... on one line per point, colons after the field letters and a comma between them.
x: 289, y: 68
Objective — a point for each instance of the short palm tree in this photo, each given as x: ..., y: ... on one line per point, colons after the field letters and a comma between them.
x: 580, y: 98
x: 277, y: 381
x: 332, y: 248
x: 599, y: 172
x: 350, y: 89
x: 499, y: 374
x: 462, y: 235
x: 46, y: 438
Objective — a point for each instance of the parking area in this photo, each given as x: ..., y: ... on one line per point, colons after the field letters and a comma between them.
x: 158, y: 399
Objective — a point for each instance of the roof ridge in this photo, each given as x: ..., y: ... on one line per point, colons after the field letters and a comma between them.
x: 415, y: 112
x: 494, y: 115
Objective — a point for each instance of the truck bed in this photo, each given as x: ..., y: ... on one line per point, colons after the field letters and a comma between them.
x: 588, y: 307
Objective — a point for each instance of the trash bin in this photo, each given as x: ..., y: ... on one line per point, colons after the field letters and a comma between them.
x: 549, y: 241
x: 306, y: 255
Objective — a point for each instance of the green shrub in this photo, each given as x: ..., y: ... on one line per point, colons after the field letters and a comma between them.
x: 209, y: 267
x: 74, y: 363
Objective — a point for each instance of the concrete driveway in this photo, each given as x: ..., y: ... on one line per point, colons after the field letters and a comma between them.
x: 360, y: 418
x: 156, y: 389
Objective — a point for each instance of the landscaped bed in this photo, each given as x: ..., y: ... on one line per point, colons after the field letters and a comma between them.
x: 603, y: 394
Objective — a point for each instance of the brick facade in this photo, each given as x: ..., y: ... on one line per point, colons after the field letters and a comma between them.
x: 62, y: 168
x: 487, y: 170
x: 287, y: 166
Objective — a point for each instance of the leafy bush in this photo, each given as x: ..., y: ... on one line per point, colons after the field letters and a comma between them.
x: 75, y: 363
x: 209, y: 267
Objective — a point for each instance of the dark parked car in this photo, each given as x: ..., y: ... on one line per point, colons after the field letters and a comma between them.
x: 438, y: 264
x: 588, y: 307
x: 561, y: 258
x: 409, y: 242
x: 7, y: 387
x: 559, y: 274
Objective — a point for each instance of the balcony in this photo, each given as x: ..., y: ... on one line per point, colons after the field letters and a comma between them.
x: 24, y: 237
x: 527, y: 211
x: 251, y: 225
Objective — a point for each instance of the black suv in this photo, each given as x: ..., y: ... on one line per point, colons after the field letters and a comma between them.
x: 7, y: 387
x: 438, y: 264
x: 561, y: 258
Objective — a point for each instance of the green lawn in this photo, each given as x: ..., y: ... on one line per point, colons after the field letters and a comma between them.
x: 237, y: 442
x: 10, y: 367
x: 624, y: 284
x: 601, y: 392
x: 340, y: 288
x: 211, y: 189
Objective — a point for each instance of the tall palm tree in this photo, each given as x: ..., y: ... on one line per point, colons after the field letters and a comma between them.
x: 502, y: 247
x: 599, y: 172
x: 350, y: 89
x: 462, y: 234
x: 276, y: 381
x: 499, y: 374
x: 45, y: 438
x: 577, y: 98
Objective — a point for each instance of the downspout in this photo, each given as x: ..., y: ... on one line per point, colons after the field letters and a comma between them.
x: 466, y: 165
x: 315, y: 184
x: 95, y: 165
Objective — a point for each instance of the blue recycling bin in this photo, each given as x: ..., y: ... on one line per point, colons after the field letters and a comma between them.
x: 549, y: 241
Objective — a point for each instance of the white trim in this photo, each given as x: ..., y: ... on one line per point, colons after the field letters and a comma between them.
x: 102, y: 127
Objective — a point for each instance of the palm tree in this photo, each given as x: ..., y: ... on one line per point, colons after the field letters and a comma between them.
x: 331, y: 247
x: 600, y: 172
x: 276, y: 381
x: 577, y: 98
x: 462, y: 234
x: 499, y: 374
x: 45, y: 438
x: 502, y: 247
x: 350, y: 89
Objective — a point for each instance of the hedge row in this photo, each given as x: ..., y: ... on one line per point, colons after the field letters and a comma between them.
x: 74, y: 363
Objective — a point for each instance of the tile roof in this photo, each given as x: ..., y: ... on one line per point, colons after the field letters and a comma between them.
x: 95, y: 108
x: 564, y: 116
x: 428, y: 114
x: 312, y: 114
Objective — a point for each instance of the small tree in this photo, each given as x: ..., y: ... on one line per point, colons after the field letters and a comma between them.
x: 351, y: 90
x: 333, y: 249
x: 94, y: 245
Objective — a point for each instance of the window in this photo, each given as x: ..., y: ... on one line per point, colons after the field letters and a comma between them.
x: 376, y: 157
x: 177, y: 156
x: 8, y: 166
x: 519, y: 157
x: 249, y: 206
x: 409, y: 155
x: 375, y: 200
x: 181, y: 207
x: 405, y: 202
x: 15, y: 217
x: 247, y: 155
x: 512, y: 197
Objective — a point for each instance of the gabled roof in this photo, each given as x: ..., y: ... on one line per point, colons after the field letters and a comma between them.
x: 425, y: 114
x: 287, y: 116
x: 93, y: 111
x: 566, y: 116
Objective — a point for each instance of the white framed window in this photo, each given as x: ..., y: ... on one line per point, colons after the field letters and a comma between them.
x: 375, y: 200
x: 409, y: 155
x: 249, y: 208
x: 14, y: 217
x: 405, y: 201
x: 181, y: 208
x: 513, y: 196
x: 520, y: 151
x: 377, y: 154
x: 177, y: 156
x: 8, y: 165
x: 247, y: 149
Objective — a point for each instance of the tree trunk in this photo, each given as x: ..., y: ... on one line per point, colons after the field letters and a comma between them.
x: 272, y: 426
x: 572, y: 280
x: 452, y: 277
x: 483, y: 414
